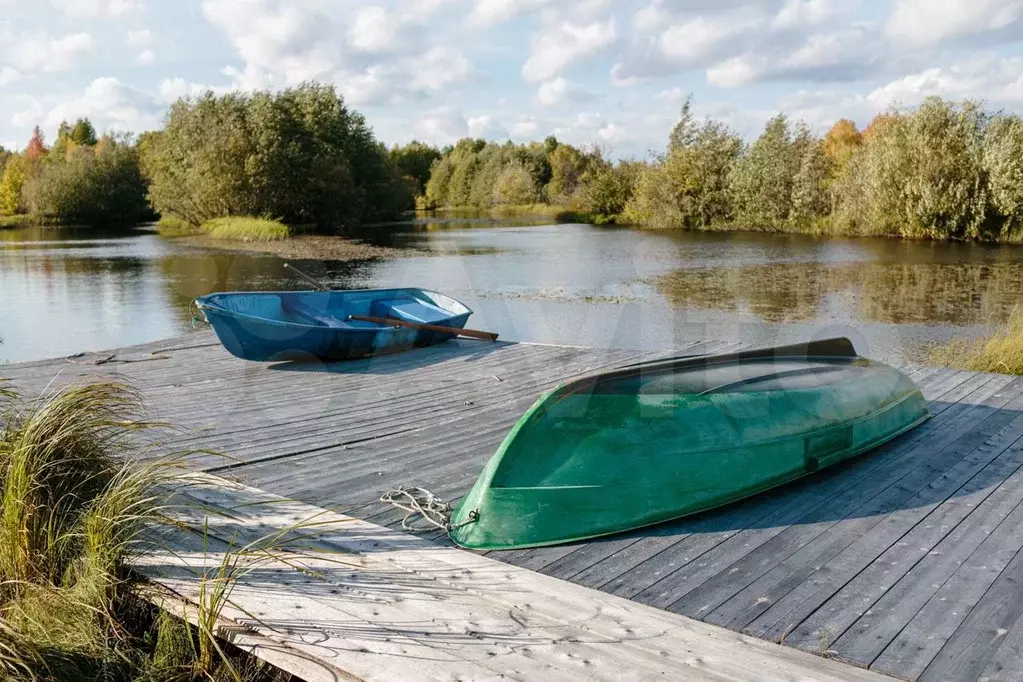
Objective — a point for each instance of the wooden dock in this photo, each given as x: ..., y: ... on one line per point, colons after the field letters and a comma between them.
x: 906, y: 561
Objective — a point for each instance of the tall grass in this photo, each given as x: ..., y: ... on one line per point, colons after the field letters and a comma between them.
x: 246, y: 229
x: 75, y: 500
x: 1002, y: 352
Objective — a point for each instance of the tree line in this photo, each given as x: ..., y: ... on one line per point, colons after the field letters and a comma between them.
x: 299, y: 155
x: 943, y: 170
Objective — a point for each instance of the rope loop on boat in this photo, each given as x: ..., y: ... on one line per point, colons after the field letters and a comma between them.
x: 423, y: 507
x: 197, y: 315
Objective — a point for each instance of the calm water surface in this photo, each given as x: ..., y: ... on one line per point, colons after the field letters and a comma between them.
x: 67, y: 291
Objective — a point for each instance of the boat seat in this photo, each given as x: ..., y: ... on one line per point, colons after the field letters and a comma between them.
x: 310, y: 314
x: 409, y: 310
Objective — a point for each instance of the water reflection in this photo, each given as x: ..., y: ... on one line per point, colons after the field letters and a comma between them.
x: 66, y: 291
x: 888, y: 292
x: 190, y: 275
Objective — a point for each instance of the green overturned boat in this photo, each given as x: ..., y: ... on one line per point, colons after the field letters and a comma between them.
x: 653, y: 442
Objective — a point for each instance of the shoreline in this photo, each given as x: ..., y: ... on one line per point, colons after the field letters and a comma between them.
x: 564, y: 215
x: 305, y: 247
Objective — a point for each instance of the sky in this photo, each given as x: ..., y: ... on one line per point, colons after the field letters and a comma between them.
x: 611, y: 73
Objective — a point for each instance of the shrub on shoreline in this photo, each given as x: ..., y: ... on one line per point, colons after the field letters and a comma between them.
x: 1001, y: 353
x: 299, y: 154
x: 245, y: 229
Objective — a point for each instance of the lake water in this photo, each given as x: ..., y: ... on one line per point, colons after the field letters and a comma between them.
x: 67, y: 291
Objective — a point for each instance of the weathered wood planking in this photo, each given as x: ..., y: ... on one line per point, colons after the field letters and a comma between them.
x: 376, y: 604
x: 904, y: 560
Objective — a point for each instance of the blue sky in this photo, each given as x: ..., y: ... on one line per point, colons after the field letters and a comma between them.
x: 604, y: 72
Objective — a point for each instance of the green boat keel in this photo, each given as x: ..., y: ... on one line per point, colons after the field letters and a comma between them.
x: 654, y: 442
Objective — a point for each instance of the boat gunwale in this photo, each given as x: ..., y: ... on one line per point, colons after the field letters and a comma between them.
x: 805, y: 351
x: 203, y: 303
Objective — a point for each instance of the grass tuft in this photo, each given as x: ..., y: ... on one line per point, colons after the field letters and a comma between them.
x: 245, y: 229
x: 1002, y: 352
x: 76, y: 497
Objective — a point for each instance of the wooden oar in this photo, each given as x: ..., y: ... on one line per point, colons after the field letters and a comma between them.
x: 471, y: 333
x: 319, y: 285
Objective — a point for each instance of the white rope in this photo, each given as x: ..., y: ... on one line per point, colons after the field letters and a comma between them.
x: 420, y: 502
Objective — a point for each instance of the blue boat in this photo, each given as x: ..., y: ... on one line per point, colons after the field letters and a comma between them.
x: 284, y: 325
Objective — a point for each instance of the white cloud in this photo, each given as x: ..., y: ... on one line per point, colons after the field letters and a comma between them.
x: 376, y: 58
x: 436, y: 69
x: 142, y: 37
x: 441, y: 126
x: 298, y: 42
x: 665, y: 44
x: 671, y: 95
x: 840, y: 55
x: 739, y: 43
x: 95, y: 9
x: 9, y: 75
x: 420, y: 10
x: 560, y: 91
x: 692, y: 41
x: 491, y: 12
x: 562, y: 43
x: 995, y: 80
x: 146, y: 57
x: 38, y: 52
x: 807, y: 13
x: 921, y: 23
x: 525, y: 129
x: 249, y: 78
x: 109, y: 103
x: 614, y: 134
x: 487, y: 127
x: 373, y: 30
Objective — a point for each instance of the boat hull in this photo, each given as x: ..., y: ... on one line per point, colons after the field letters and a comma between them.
x: 633, y: 448
x: 272, y: 326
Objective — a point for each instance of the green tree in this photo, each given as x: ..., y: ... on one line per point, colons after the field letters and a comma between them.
x: 299, y: 155
x: 761, y: 184
x: 11, y: 184
x: 515, y: 186
x: 60, y: 145
x: 607, y: 188
x: 1003, y: 165
x: 920, y: 174
x: 83, y: 133
x: 810, y: 196
x: 568, y: 165
x: 100, y: 184
x: 414, y: 161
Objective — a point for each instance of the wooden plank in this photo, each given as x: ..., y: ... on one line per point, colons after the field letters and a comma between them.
x: 659, y: 580
x: 967, y: 653
x: 340, y: 435
x: 861, y: 538
x: 1007, y: 662
x: 904, y: 589
x: 421, y: 607
x: 935, y: 623
x: 614, y: 572
x: 809, y: 610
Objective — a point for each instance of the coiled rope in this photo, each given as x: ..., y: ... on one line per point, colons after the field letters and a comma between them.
x: 423, y: 507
